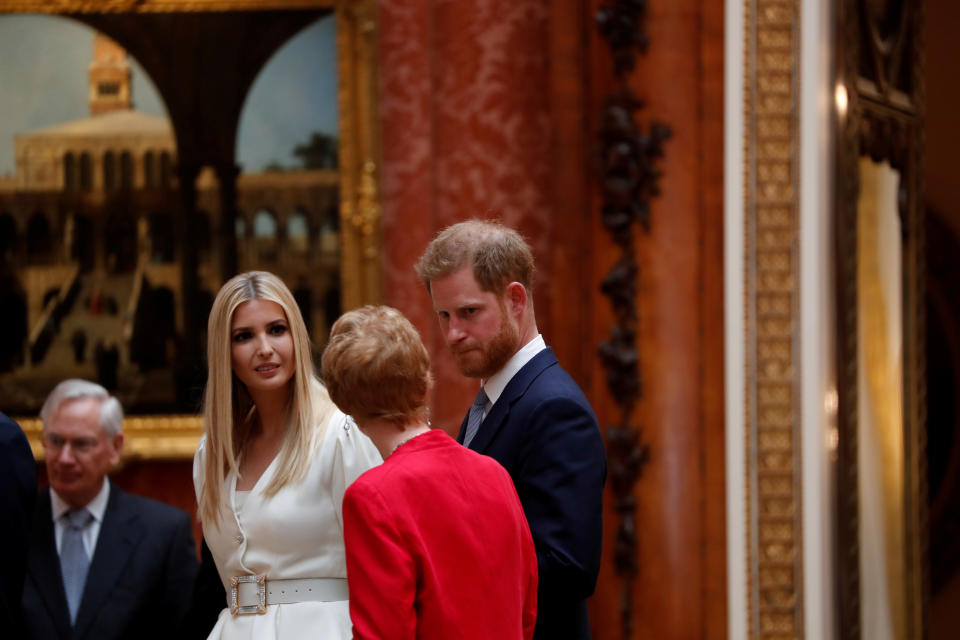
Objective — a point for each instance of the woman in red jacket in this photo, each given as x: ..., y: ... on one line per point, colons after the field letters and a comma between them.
x: 436, y: 540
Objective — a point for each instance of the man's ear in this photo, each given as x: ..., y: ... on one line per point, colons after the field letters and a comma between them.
x: 117, y: 446
x: 516, y: 298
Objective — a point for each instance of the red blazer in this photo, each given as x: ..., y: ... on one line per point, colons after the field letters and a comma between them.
x: 438, y: 547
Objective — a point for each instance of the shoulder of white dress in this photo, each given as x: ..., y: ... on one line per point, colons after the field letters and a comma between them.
x: 199, y: 456
x: 333, y: 429
x: 342, y: 424
x: 199, y: 461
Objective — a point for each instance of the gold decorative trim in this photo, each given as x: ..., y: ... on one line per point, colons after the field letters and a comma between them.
x: 155, y: 6
x: 172, y: 437
x: 360, y: 210
x: 774, y: 578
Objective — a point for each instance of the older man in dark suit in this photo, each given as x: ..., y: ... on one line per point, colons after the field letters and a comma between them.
x: 103, y: 563
x: 18, y: 492
x: 529, y: 414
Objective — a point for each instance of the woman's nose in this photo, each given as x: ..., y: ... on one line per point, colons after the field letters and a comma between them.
x: 264, y: 346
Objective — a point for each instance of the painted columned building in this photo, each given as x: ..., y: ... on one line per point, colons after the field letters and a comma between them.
x: 89, y: 215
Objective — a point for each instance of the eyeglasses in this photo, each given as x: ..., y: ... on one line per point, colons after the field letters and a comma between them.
x: 80, y: 446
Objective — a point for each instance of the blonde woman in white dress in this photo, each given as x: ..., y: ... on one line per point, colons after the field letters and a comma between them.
x: 271, y: 470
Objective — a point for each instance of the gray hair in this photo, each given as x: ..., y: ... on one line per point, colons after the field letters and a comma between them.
x: 111, y: 413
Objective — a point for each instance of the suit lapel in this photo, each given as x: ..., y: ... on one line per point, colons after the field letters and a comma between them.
x: 43, y: 565
x: 120, y: 533
x: 463, y: 429
x: 500, y: 411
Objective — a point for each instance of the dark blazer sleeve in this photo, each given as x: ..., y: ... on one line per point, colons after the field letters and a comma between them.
x: 560, y: 475
x: 44, y: 610
x: 544, y: 432
x: 18, y: 492
x: 209, y: 598
x: 181, y: 569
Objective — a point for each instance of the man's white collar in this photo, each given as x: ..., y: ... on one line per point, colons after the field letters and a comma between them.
x: 495, y: 384
x: 96, y: 507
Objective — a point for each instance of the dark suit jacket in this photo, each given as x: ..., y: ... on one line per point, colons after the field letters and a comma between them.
x: 208, y: 599
x: 544, y: 432
x: 140, y: 579
x: 18, y: 491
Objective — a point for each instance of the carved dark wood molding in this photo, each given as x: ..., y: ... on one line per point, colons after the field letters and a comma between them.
x: 629, y: 181
x: 847, y: 510
x: 847, y: 189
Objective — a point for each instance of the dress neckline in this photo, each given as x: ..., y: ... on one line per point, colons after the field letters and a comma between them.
x: 256, y: 485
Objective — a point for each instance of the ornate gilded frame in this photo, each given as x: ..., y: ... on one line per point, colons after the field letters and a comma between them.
x: 176, y: 436
x: 881, y: 94
x: 772, y: 482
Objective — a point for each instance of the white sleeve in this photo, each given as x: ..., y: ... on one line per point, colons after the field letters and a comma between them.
x: 199, y: 466
x: 353, y: 454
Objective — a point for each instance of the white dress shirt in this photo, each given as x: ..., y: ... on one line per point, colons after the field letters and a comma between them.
x: 97, y: 507
x: 495, y: 384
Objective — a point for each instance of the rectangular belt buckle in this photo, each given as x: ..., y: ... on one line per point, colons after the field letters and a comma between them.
x: 260, y: 607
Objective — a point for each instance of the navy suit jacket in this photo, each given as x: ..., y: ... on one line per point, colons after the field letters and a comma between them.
x: 140, y: 579
x: 18, y: 491
x: 544, y: 432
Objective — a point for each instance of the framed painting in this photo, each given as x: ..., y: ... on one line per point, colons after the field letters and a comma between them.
x: 879, y: 230
x: 154, y: 148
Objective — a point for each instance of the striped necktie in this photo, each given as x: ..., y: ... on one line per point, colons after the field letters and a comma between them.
x: 475, y: 417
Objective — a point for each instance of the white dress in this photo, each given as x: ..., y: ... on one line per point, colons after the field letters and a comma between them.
x: 297, y: 533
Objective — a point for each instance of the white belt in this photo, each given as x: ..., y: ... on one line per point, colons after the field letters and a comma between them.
x: 252, y: 594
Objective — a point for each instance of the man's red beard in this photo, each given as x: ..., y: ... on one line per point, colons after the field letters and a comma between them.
x: 493, y: 355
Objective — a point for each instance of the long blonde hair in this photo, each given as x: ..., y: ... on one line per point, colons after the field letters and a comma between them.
x: 228, y: 410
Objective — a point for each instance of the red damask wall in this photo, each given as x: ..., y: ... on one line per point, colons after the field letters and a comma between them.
x: 490, y: 109
x: 466, y: 133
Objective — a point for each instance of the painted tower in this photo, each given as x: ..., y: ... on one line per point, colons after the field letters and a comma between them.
x: 109, y: 77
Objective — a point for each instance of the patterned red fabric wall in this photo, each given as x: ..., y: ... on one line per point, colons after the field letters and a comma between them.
x: 466, y: 133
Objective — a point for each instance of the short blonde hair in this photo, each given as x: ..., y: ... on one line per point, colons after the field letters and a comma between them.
x: 376, y: 366
x: 497, y: 254
x: 228, y: 410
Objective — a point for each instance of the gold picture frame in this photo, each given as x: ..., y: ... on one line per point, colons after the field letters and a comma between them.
x: 175, y: 436
x: 879, y: 156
